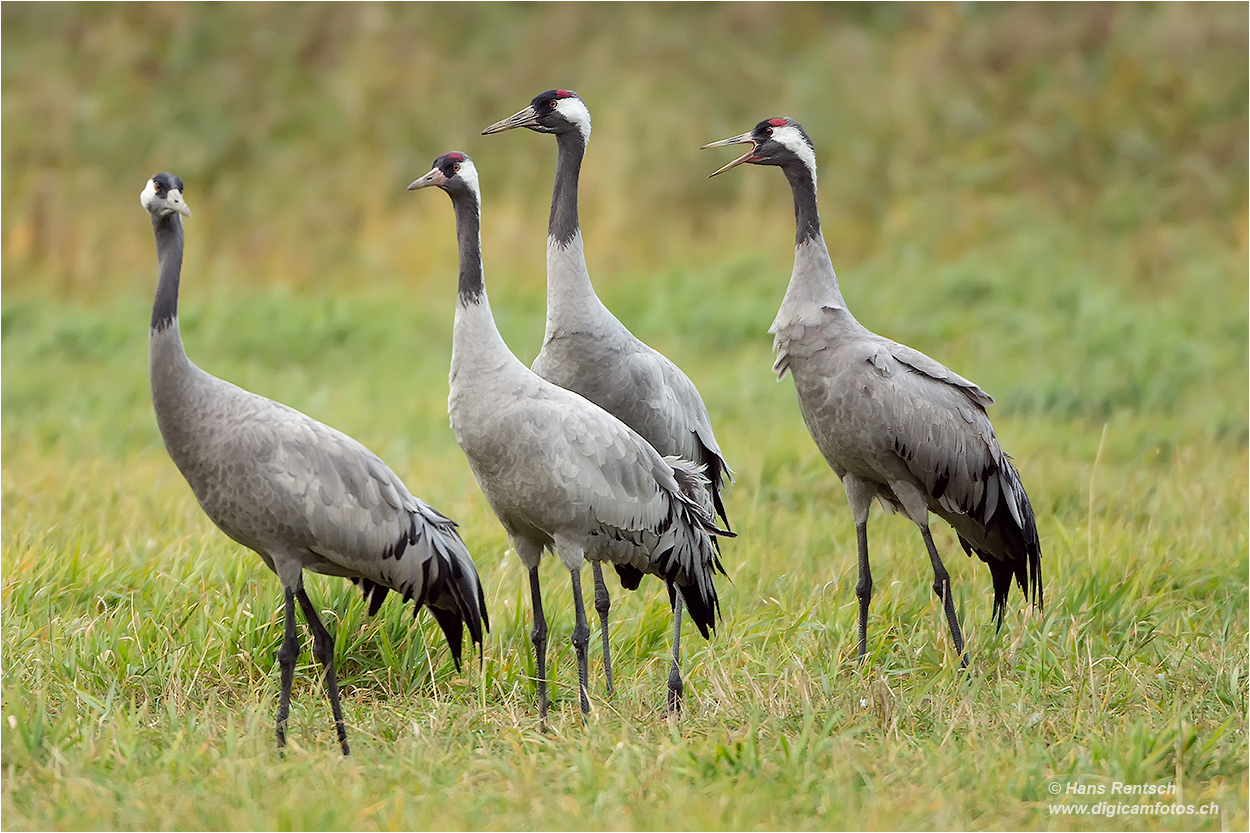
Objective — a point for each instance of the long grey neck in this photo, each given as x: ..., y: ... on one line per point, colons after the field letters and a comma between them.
x: 813, y: 281
x: 177, y: 384
x: 472, y: 288
x: 572, y: 305
x: 803, y: 186
x: 563, y: 224
x: 168, y: 231
x: 476, y: 341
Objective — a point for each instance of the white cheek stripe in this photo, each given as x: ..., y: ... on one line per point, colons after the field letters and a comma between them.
x: 149, y: 192
x: 574, y: 109
x: 468, y: 172
x: 794, y: 141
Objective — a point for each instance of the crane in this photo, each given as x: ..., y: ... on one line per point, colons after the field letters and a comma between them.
x: 892, y: 423
x: 561, y: 473
x: 588, y: 350
x: 300, y: 494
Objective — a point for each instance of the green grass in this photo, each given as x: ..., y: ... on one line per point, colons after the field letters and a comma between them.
x: 1053, y: 203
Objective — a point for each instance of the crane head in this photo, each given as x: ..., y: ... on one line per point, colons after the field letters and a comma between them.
x: 555, y: 111
x: 454, y: 172
x: 779, y: 141
x: 162, y: 196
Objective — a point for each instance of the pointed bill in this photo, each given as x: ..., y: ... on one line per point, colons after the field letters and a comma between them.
x: 180, y: 205
x: 434, y: 177
x: 732, y: 140
x: 525, y: 118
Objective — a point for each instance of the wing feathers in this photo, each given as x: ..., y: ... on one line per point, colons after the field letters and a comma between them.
x: 340, y: 504
x: 941, y: 432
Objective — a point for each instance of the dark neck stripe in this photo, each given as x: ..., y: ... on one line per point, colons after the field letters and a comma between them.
x: 806, y: 216
x: 563, y: 223
x: 168, y: 232
x: 469, y: 236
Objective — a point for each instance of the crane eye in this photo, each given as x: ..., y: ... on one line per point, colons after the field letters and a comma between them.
x: 768, y: 131
x: 554, y: 103
x: 156, y: 186
x: 455, y: 168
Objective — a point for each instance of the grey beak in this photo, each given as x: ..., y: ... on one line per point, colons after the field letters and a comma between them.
x: 526, y: 118
x: 733, y: 140
x: 434, y: 177
x: 175, y: 199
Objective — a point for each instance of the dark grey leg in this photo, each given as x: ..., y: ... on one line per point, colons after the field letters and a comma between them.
x: 539, y: 637
x: 323, y: 650
x: 287, y: 654
x: 859, y: 494
x: 864, y: 589
x: 581, y: 638
x: 602, y: 603
x: 675, y: 686
x: 942, y: 587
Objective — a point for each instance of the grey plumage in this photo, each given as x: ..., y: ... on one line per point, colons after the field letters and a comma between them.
x: 588, y: 350
x: 301, y: 494
x: 560, y: 472
x: 893, y: 424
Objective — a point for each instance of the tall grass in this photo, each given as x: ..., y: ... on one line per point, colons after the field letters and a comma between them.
x: 1050, y: 200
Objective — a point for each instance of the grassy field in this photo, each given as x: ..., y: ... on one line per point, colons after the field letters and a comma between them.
x: 1050, y: 201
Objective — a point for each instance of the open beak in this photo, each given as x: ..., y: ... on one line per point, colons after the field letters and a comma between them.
x: 526, y: 118
x: 749, y: 156
x: 434, y: 177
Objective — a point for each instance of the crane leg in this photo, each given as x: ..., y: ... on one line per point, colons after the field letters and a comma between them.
x: 581, y: 638
x: 539, y: 637
x: 287, y: 654
x: 859, y: 494
x: 323, y: 650
x: 863, y: 589
x: 942, y: 588
x: 602, y: 604
x: 675, y: 686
